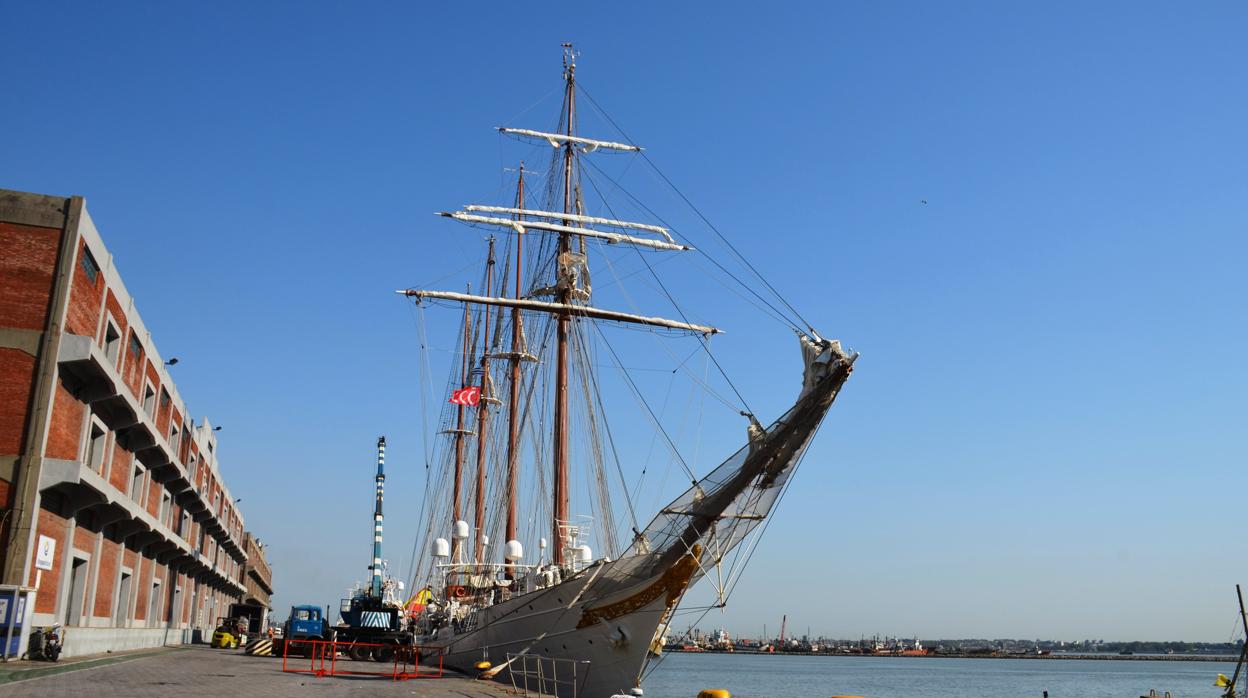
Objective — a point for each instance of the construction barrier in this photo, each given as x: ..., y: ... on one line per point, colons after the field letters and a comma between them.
x: 260, y: 647
x: 329, y: 658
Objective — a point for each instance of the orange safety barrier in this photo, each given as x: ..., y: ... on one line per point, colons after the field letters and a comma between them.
x: 322, y: 659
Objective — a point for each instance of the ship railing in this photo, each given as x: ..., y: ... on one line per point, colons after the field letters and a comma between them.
x: 535, y: 676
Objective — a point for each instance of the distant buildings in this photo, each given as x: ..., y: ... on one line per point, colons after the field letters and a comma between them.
x: 112, y: 504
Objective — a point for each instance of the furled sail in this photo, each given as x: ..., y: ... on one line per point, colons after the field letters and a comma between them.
x: 478, y: 208
x: 558, y: 139
x: 520, y: 226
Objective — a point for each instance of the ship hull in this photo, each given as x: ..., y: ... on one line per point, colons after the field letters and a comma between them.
x: 604, y: 619
x: 562, y: 623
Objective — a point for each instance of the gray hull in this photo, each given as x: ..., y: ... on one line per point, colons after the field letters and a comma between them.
x: 610, y: 652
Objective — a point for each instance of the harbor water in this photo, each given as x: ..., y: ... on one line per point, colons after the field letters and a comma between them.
x: 682, y: 675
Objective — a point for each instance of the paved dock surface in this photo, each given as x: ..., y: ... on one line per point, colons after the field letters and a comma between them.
x: 203, y: 671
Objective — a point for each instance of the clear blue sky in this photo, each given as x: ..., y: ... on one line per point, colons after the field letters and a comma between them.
x: 1045, y: 434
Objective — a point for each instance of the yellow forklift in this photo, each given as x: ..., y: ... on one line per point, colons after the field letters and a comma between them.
x: 231, y: 633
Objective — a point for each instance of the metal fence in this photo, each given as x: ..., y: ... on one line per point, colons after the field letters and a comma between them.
x: 326, y: 658
x: 535, y: 676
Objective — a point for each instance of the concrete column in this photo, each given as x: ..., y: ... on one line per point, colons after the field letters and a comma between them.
x: 17, y: 560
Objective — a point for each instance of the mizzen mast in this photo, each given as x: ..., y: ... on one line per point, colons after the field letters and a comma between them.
x: 460, y: 431
x: 483, y: 409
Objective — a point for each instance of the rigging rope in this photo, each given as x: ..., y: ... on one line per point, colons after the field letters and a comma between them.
x: 636, y: 392
x: 672, y: 299
x: 699, y: 213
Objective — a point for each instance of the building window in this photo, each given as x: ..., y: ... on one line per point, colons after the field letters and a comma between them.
x: 77, y: 590
x: 164, y: 398
x: 153, y: 610
x: 136, y: 349
x: 89, y: 265
x: 165, y: 502
x: 112, y: 343
x: 136, y: 484
x: 95, y: 447
x: 149, y: 400
x: 121, y: 611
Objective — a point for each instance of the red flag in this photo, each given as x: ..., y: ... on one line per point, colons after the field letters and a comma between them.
x: 469, y: 397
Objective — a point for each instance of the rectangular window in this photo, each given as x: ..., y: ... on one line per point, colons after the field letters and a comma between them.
x: 95, y: 448
x: 164, y: 398
x: 136, y: 484
x: 77, y: 589
x: 136, y: 348
x: 112, y: 343
x: 89, y: 264
x: 121, y: 611
x: 165, y: 504
x: 149, y: 401
x: 153, y: 610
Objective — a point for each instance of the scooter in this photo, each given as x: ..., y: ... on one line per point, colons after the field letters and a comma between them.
x: 45, y: 643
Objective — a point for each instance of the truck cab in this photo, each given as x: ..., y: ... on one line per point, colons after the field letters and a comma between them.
x: 305, y: 623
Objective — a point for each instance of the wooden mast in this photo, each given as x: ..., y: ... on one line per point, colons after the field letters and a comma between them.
x: 564, y: 281
x: 483, y: 410
x: 513, y: 407
x: 456, y: 512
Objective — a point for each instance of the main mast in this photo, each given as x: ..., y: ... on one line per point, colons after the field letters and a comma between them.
x: 483, y: 407
x: 564, y: 283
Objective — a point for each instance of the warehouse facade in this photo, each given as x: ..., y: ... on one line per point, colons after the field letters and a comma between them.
x: 112, y: 505
x: 258, y: 579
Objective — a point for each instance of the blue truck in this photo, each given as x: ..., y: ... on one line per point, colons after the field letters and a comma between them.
x: 306, y: 622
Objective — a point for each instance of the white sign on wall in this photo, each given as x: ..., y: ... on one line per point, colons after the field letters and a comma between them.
x: 45, y: 553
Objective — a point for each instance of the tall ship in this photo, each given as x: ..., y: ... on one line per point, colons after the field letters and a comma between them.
x: 524, y: 455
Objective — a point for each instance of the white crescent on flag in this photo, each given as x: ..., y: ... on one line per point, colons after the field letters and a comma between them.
x: 468, y: 397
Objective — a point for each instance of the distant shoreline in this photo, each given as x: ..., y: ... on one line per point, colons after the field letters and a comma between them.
x: 1082, y: 657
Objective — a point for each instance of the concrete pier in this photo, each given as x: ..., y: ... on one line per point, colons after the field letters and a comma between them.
x: 200, y: 670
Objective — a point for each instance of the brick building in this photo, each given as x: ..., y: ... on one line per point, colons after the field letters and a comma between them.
x: 258, y: 578
x: 112, y: 503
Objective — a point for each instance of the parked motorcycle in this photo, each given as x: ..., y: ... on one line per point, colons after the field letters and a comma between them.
x: 45, y: 643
